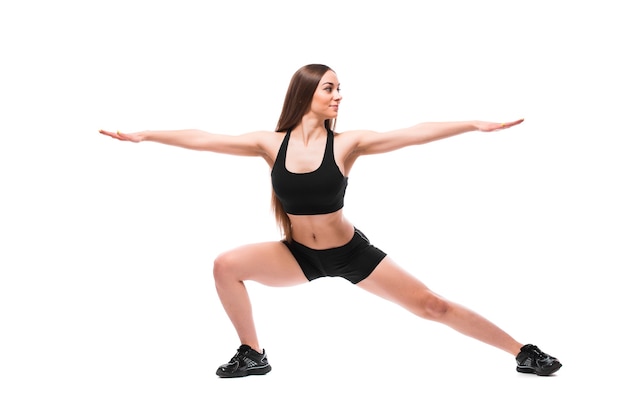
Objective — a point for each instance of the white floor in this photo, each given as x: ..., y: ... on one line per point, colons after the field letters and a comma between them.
x: 335, y: 351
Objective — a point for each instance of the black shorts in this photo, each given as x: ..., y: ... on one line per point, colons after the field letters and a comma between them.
x: 353, y: 261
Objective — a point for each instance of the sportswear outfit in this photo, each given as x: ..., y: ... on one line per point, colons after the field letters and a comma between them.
x: 322, y: 191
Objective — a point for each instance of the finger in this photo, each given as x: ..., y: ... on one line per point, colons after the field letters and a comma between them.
x: 121, y: 136
x: 115, y: 135
x: 509, y: 124
x: 107, y: 133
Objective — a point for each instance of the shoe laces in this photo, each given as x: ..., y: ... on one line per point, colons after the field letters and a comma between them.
x: 241, y: 353
x: 536, y: 352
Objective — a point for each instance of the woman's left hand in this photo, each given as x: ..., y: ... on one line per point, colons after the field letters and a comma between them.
x: 492, y: 127
x: 126, y: 137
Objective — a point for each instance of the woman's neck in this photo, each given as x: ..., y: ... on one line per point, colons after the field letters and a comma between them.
x: 310, y: 128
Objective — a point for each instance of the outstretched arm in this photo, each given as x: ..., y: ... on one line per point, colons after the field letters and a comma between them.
x: 375, y: 142
x: 249, y: 144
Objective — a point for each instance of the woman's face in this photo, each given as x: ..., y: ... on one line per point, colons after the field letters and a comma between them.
x: 325, y: 103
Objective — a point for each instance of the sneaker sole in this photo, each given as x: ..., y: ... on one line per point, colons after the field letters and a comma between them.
x: 547, y: 372
x: 253, y: 371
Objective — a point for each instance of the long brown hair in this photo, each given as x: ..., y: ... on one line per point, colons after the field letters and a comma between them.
x: 297, y: 103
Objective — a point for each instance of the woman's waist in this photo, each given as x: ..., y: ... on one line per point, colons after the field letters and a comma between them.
x: 321, y: 231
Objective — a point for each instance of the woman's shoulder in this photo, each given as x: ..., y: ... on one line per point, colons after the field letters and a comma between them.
x: 266, y: 137
x: 268, y: 141
x: 265, y: 134
x: 353, y: 135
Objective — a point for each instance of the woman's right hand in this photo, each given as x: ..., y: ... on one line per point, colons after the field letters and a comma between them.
x: 128, y: 137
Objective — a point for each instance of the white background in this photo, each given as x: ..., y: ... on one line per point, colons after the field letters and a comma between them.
x: 107, y: 305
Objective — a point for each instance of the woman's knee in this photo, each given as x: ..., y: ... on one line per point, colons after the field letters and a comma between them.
x: 434, y: 307
x: 225, y: 267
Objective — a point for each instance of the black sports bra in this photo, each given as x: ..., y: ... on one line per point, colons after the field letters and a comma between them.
x: 317, y: 192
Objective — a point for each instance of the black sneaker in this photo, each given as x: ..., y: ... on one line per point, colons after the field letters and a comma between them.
x: 531, y: 360
x: 246, y: 361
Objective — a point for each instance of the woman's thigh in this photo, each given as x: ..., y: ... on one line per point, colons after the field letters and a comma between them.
x: 393, y: 283
x: 269, y: 263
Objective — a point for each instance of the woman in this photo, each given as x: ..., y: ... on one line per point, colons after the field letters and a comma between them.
x: 310, y: 165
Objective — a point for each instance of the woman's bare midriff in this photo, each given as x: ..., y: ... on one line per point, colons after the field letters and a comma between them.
x: 321, y: 231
